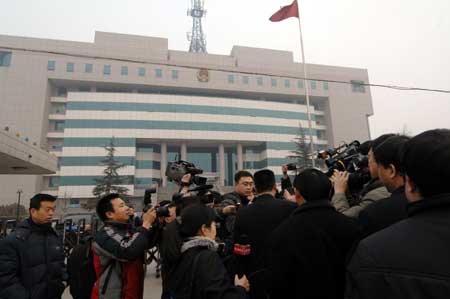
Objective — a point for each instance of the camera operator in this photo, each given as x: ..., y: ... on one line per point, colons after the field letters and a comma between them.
x: 119, y: 251
x: 410, y: 259
x: 372, y: 191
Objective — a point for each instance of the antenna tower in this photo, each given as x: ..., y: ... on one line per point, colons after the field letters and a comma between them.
x: 197, y: 36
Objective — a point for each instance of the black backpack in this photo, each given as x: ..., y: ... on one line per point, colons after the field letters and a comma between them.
x: 80, y: 266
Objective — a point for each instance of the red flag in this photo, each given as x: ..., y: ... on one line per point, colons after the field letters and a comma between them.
x: 285, y: 12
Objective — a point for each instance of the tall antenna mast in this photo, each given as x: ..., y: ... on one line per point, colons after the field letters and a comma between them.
x: 197, y: 36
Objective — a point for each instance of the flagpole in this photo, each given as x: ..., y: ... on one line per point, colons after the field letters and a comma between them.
x: 305, y: 83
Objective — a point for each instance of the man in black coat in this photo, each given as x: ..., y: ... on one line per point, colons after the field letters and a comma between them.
x: 32, y: 258
x: 254, y: 224
x: 307, y: 252
x: 410, y: 259
x: 390, y: 210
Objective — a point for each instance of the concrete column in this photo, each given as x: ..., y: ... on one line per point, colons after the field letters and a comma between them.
x: 163, y: 163
x: 183, y: 154
x: 240, y: 157
x: 221, y: 165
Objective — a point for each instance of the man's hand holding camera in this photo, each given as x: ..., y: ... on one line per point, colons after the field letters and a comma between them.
x: 149, y: 218
x: 340, y: 181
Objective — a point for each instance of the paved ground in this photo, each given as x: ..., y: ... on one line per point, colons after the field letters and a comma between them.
x: 152, y: 285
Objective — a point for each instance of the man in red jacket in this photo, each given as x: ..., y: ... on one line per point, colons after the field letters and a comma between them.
x: 119, y: 251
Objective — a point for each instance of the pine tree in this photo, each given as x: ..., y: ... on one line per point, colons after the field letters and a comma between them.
x: 111, y: 181
x: 301, y: 153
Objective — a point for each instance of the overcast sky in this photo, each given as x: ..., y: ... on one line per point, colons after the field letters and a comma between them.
x: 400, y: 42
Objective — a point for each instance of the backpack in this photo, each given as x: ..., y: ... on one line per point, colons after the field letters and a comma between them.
x: 80, y: 267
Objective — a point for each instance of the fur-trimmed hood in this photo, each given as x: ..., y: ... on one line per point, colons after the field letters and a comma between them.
x: 199, y: 242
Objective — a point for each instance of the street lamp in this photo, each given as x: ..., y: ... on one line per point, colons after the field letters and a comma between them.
x: 19, y: 192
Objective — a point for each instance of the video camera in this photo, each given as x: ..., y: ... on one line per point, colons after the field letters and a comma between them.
x: 177, y: 169
x: 348, y: 157
x: 160, y: 211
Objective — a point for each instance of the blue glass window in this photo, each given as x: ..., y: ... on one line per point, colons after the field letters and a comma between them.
x: 231, y: 79
x: 158, y: 73
x: 174, y: 74
x: 259, y: 81
x: 107, y: 69
x: 51, y: 65
x: 357, y: 86
x: 141, y: 72
x: 124, y: 71
x: 313, y: 84
x: 70, y: 67
x: 5, y: 58
x: 325, y: 85
x: 287, y: 83
x: 273, y: 82
x: 74, y: 203
x: 300, y: 83
x: 59, y: 126
x: 53, y: 181
x: 61, y: 92
x: 205, y: 158
x: 88, y: 68
x: 245, y: 79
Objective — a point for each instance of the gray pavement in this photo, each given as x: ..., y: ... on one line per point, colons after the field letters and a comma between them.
x: 152, y: 285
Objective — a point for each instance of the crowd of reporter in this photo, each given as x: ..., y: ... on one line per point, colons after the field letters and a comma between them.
x: 316, y: 238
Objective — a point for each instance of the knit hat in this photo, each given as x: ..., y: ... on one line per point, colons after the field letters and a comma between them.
x: 193, y: 217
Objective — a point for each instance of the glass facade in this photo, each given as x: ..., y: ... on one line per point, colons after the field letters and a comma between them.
x: 325, y: 85
x: 313, y: 84
x: 174, y: 74
x: 259, y: 81
x: 357, y: 86
x: 158, y: 73
x: 230, y: 165
x: 205, y: 158
x: 273, y: 82
x: 124, y: 71
x: 231, y: 79
x: 245, y: 80
x: 300, y: 83
x: 287, y: 83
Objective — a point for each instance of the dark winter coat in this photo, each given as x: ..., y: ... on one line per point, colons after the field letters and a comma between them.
x: 201, y: 274
x: 254, y: 223
x: 32, y: 263
x: 409, y: 259
x: 384, y: 212
x: 307, y: 252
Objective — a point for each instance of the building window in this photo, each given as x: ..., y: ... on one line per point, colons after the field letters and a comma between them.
x: 245, y: 80
x: 74, y: 203
x: 313, y: 84
x: 273, y: 82
x: 300, y: 83
x: 53, y: 181
x: 325, y: 85
x: 141, y: 72
x: 5, y: 58
x: 56, y: 147
x: 259, y: 81
x: 231, y: 79
x: 61, y: 92
x: 59, y: 126
x: 358, y: 86
x: 70, y: 67
x: 158, y: 73
x: 51, y: 65
x: 287, y: 83
x: 124, y: 71
x: 107, y: 69
x: 88, y: 68
x: 174, y: 74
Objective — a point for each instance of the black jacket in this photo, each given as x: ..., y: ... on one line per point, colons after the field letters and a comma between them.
x: 308, y: 252
x: 409, y: 259
x: 32, y: 263
x: 254, y: 224
x: 384, y: 212
x: 201, y: 274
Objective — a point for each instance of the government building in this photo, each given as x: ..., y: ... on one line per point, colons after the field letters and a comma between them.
x: 221, y: 112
